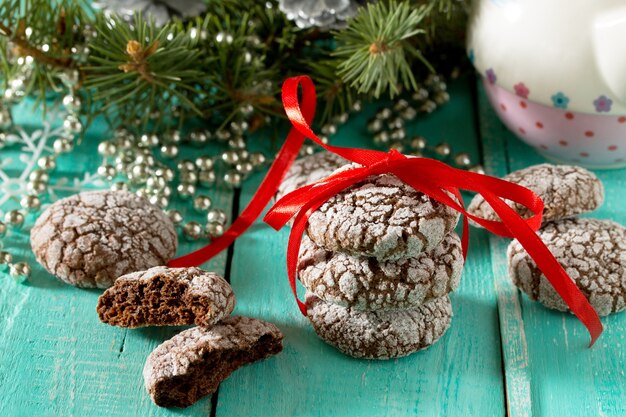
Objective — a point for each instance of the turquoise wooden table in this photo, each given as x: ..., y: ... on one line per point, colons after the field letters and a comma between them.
x: 503, y: 355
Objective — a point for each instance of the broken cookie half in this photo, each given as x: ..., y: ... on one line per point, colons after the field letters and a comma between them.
x: 192, y: 364
x: 163, y: 296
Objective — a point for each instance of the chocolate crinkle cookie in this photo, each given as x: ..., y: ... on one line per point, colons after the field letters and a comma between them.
x: 381, y: 217
x: 364, y: 283
x: 380, y: 334
x: 566, y: 191
x: 592, y: 252
x: 309, y: 169
x: 164, y: 296
x: 91, y: 238
x: 192, y: 364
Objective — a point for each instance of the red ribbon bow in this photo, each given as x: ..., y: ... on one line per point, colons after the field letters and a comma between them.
x: 431, y: 177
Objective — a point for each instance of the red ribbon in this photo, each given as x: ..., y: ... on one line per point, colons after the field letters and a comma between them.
x: 431, y: 177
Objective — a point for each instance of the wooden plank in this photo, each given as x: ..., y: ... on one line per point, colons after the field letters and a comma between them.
x: 514, y: 350
x: 56, y: 358
x: 567, y: 378
x: 460, y: 375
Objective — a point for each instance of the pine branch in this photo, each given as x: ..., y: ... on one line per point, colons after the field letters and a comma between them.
x: 376, y: 49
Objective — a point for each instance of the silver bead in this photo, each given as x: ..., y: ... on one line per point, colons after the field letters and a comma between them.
x: 14, y: 218
x: 3, y: 229
x: 138, y: 173
x: 244, y: 168
x: 357, y: 106
x: 341, y: 118
x: 159, y: 200
x: 395, y: 123
x: 199, y: 137
x: 47, y: 163
x: 72, y: 103
x: 30, y: 203
x: 147, y: 159
x: 243, y: 154
x: 257, y: 159
x: 72, y: 124
x: 441, y: 98
x: 62, y: 145
x: 398, y: 146
x: 216, y: 216
x: 478, y: 169
x: 381, y: 138
x: 189, y: 177
x: 204, y: 163
x: 307, y: 150
x: 185, y: 191
x: 418, y: 143
x: 400, y: 105
x: 186, y: 165
x: 5, y: 258
x: 462, y: 159
x: 443, y: 149
x: 230, y: 157
x: 202, y: 203
x: 246, y: 109
x: 428, y: 107
x: 121, y: 133
x: 20, y: 271
x: 37, y: 187
x: 420, y: 95
x: 124, y: 143
x: 398, y: 134
x: 119, y: 186
x: 213, y: 230
x: 239, y: 127
x: 166, y: 173
x: 233, y: 178
x: 237, y: 143
x: 375, y: 125
x: 409, y: 113
x: 39, y: 175
x: 166, y: 191
x: 329, y: 129
x: 148, y: 140
x: 192, y: 230
x: 173, y: 137
x: 223, y: 135
x: 156, y: 183
x: 169, y: 151
x: 384, y: 113
x: 143, y: 193
x: 206, y: 178
x: 175, y: 216
x: 324, y: 139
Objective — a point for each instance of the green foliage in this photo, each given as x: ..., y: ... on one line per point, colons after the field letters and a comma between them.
x: 226, y: 65
x: 376, y: 49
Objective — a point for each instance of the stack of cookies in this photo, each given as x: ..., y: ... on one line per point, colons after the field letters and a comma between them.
x: 378, y: 261
x: 592, y: 251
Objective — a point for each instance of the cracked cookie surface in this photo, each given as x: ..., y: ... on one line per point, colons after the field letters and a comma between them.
x: 163, y: 296
x: 592, y: 252
x: 309, y: 169
x: 91, y: 238
x: 381, y: 217
x: 365, y: 283
x: 565, y: 190
x: 192, y: 364
x: 380, y: 334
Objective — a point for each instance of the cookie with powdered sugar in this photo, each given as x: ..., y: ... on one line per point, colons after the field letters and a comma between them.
x: 381, y: 217
x: 193, y: 363
x: 91, y: 238
x: 379, y: 334
x: 592, y: 252
x: 566, y: 191
x: 164, y: 296
x: 309, y: 169
x: 364, y: 283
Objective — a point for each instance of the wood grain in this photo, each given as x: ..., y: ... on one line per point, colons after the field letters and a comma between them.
x: 458, y: 376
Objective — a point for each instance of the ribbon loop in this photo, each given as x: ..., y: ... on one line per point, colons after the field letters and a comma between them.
x: 439, y: 181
